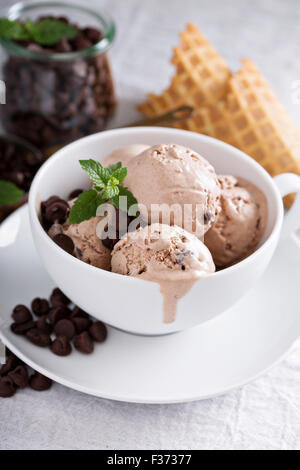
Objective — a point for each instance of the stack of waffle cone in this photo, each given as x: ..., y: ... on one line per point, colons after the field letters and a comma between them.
x: 239, y: 109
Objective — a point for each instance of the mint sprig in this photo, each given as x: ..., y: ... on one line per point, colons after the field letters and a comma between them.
x: 46, y: 32
x: 107, y: 184
x: 50, y: 32
x: 12, y: 30
x: 9, y: 193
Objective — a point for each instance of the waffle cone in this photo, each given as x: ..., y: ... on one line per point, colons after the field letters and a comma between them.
x: 201, y: 77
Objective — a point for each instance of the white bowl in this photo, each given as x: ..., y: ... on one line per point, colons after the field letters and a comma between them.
x: 132, y: 304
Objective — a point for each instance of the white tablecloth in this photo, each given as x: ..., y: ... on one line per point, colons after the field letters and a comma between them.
x: 262, y: 415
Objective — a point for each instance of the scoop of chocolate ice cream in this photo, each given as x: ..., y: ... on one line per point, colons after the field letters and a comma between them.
x: 240, y: 225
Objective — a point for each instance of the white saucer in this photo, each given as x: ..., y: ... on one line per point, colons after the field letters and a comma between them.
x: 200, y: 363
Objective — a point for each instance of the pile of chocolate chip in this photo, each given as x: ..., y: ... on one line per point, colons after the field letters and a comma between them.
x: 17, y: 164
x: 52, y: 102
x: 57, y: 324
x: 14, y: 374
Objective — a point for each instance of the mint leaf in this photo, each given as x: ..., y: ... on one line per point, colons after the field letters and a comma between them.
x: 123, y: 191
x: 107, y: 187
x: 85, y: 206
x: 120, y: 174
x: 97, y: 173
x: 111, y: 191
x: 113, y: 167
x: 29, y: 27
x: 9, y: 193
x: 12, y: 30
x: 45, y: 32
x: 49, y: 32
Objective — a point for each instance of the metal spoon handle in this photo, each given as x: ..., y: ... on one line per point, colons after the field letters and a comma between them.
x: 176, y: 115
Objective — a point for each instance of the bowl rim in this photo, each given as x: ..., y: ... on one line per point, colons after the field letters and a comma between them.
x: 35, y: 221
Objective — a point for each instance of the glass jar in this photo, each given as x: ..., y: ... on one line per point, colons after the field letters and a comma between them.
x: 53, y: 98
x: 19, y: 162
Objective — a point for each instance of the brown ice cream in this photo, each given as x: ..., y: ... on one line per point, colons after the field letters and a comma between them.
x: 240, y: 225
x: 175, y: 175
x: 88, y: 246
x: 124, y: 154
x: 168, y: 255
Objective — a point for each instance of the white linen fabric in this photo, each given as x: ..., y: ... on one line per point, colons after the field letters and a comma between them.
x: 262, y: 415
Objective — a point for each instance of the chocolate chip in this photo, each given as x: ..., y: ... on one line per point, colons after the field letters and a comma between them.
x: 21, y: 314
x: 57, y: 212
x: 48, y: 202
x: 74, y: 194
x: 64, y: 242
x: 63, y: 46
x: 92, y: 34
x: 22, y: 328
x: 43, y: 326
x: 61, y: 346
x: 39, y: 382
x: 78, y: 312
x: 58, y: 313
x: 110, y: 243
x: 65, y: 328
x: 58, y: 298
x: 63, y: 19
x: 84, y: 343
x: 98, y: 331
x: 80, y: 42
x: 7, y: 388
x: 38, y: 338
x: 19, y: 376
x: 81, y: 324
x: 40, y: 306
x: 11, y: 363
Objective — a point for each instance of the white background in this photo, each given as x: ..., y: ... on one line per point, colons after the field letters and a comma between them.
x: 262, y: 415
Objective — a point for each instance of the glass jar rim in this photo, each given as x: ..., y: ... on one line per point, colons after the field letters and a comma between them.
x: 99, y: 48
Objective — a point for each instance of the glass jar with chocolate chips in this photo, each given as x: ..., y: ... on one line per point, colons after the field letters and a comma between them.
x: 19, y: 162
x: 56, y: 70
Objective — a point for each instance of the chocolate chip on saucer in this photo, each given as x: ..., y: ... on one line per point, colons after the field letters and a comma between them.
x: 78, y: 312
x: 81, y: 324
x: 84, y: 343
x: 98, y: 331
x: 22, y: 328
x: 38, y: 338
x: 43, y: 325
x: 21, y: 314
x: 58, y: 298
x: 61, y: 346
x: 40, y: 306
x: 58, y: 313
x: 65, y: 328
x: 59, y: 319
